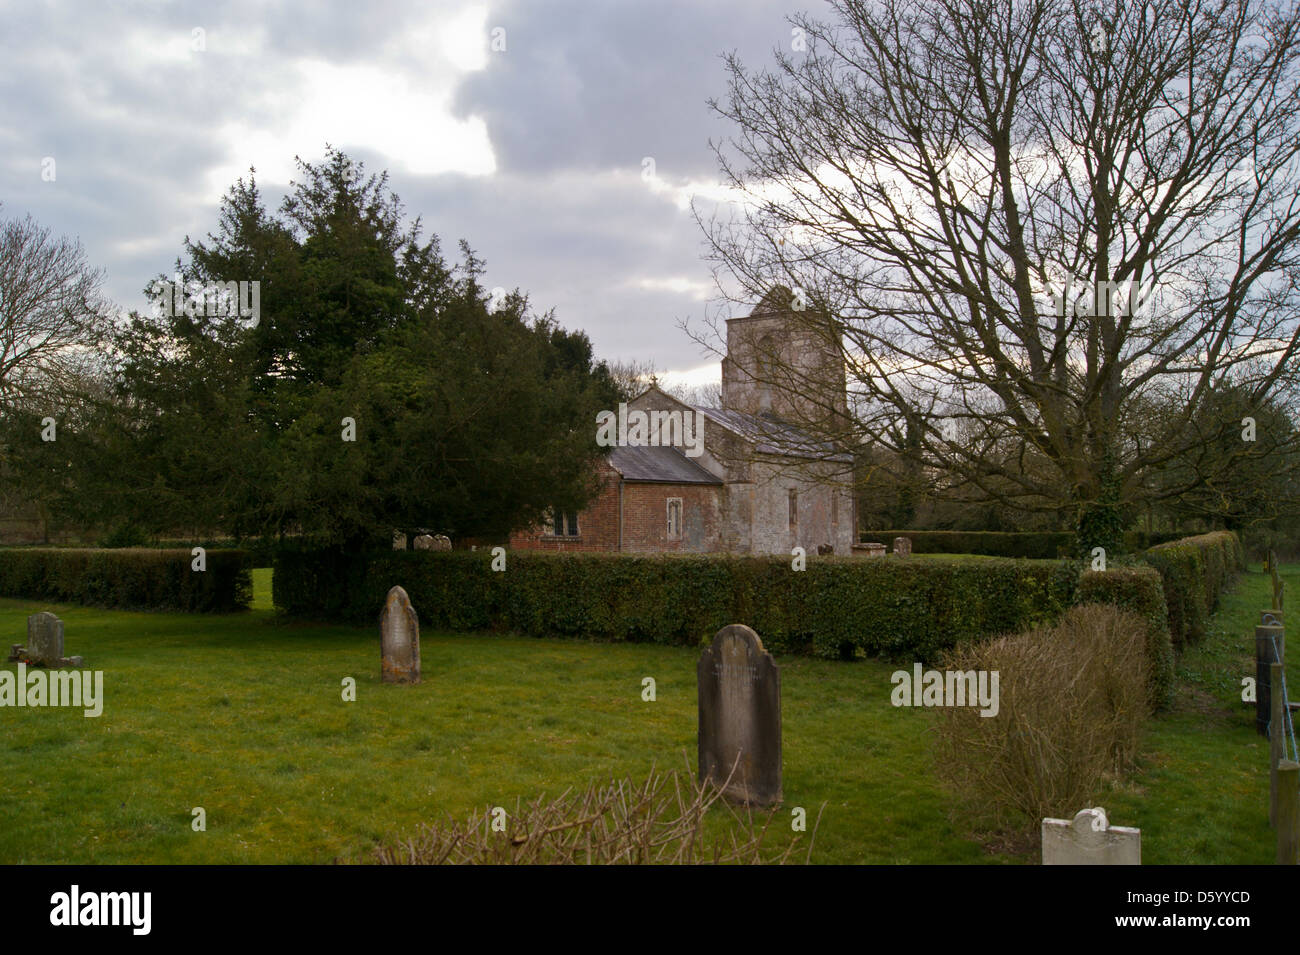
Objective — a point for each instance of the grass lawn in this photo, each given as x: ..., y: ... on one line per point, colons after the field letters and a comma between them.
x: 243, y: 715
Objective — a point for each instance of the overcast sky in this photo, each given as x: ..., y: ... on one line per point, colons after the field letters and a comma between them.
x: 534, y: 153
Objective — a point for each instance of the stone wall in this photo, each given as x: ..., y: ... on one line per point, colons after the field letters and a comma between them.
x: 769, y: 497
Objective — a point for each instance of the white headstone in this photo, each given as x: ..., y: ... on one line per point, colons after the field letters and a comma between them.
x: 1090, y: 839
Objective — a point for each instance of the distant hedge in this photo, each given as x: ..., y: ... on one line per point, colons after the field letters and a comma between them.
x: 128, y: 578
x: 260, y: 552
x: 1194, y: 572
x: 1034, y: 545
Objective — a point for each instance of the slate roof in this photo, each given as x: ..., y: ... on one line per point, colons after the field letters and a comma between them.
x: 773, y: 437
x: 658, y: 466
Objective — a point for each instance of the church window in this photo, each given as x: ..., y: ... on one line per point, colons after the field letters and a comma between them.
x: 564, y: 523
x: 674, y: 518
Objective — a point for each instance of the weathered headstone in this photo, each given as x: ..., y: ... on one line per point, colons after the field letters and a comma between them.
x: 399, y: 542
x: 399, y: 635
x: 824, y: 549
x: 441, y: 542
x: 44, y: 643
x: 424, y: 542
x: 1090, y: 839
x: 903, y: 546
x: 45, y: 638
x: 740, y: 717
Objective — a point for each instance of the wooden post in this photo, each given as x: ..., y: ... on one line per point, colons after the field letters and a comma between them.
x: 1266, y: 638
x: 1288, y: 812
x: 1276, y: 737
x: 1277, y: 580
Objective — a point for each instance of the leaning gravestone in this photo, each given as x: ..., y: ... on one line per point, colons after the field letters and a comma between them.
x: 441, y: 542
x: 903, y: 546
x: 424, y: 542
x: 1090, y: 839
x: 399, y: 634
x: 44, y: 643
x: 740, y: 717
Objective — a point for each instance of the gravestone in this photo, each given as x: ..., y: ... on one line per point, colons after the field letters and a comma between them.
x: 869, y: 550
x: 399, y: 542
x: 903, y: 546
x: 740, y: 717
x: 424, y: 542
x: 1090, y: 839
x: 824, y: 549
x: 399, y: 637
x: 441, y: 542
x: 44, y: 643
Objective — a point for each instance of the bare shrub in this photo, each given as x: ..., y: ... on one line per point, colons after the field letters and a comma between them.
x: 1073, y: 702
x: 658, y: 821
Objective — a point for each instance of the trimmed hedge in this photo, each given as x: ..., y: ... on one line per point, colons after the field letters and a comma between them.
x: 890, y: 608
x: 1195, y: 571
x: 261, y: 552
x: 1034, y: 545
x: 128, y: 578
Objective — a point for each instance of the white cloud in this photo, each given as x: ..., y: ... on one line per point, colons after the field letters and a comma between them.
x: 677, y: 284
x: 692, y: 377
x: 399, y: 112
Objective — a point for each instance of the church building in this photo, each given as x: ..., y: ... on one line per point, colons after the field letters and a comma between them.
x: 754, y: 481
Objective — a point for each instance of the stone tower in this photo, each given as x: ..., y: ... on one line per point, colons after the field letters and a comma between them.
x: 785, y: 363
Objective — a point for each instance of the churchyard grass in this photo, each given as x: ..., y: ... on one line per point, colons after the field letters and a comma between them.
x: 243, y: 715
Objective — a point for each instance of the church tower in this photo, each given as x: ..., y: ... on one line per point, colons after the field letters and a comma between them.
x: 785, y: 363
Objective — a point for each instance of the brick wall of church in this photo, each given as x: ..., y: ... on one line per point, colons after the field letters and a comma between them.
x: 645, y: 518
x: 597, y: 525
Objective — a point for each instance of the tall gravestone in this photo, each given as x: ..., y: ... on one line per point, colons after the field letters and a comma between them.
x: 1090, y: 839
x: 903, y: 546
x: 740, y: 717
x: 399, y: 634
x: 45, y: 638
x: 44, y: 643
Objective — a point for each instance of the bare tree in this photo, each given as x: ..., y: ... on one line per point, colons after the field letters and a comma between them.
x: 51, y: 311
x: 1027, y: 221
x: 707, y: 395
x: 632, y: 377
